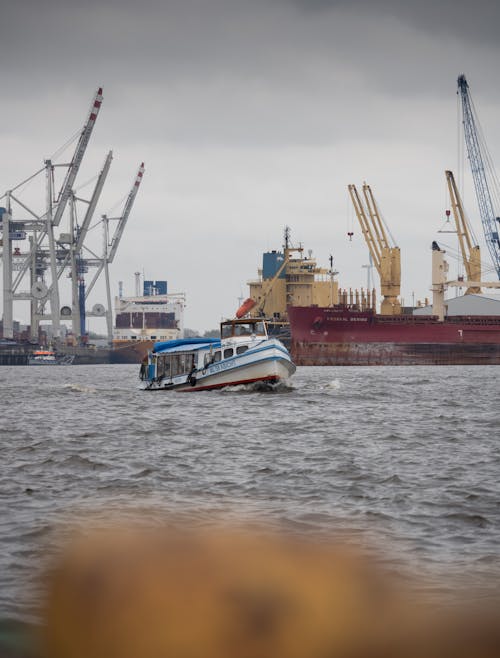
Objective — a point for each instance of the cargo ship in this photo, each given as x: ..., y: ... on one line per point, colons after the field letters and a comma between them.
x: 464, y: 330
x: 142, y: 320
x: 343, y: 336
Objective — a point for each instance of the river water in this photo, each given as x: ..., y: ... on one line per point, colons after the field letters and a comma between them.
x: 407, y: 458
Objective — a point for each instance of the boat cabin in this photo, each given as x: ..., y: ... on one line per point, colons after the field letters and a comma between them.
x: 44, y: 355
x: 185, y: 357
x: 245, y: 328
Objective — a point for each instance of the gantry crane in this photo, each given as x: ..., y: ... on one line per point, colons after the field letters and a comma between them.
x: 471, y: 254
x: 110, y: 247
x: 385, y: 254
x: 73, y: 256
x: 43, y: 229
x: 483, y: 173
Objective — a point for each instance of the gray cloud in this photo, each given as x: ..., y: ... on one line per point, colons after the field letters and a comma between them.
x: 250, y: 115
x: 470, y: 21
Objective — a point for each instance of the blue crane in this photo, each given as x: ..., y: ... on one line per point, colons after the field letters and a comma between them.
x: 484, y: 177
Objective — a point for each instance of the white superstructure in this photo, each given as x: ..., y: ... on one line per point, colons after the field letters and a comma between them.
x: 149, y: 317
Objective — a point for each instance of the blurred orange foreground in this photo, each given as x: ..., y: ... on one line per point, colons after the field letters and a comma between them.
x: 135, y: 593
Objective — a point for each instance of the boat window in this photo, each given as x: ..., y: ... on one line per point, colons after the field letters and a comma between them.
x: 163, y: 366
x: 175, y: 364
x: 243, y: 329
x: 241, y: 349
x: 228, y: 352
x: 217, y: 356
x: 226, y: 330
x: 259, y: 329
x: 182, y: 363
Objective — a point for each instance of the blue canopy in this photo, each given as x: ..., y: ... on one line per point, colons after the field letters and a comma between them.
x: 186, y: 344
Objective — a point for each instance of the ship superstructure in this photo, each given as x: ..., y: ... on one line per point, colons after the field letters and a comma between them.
x: 141, y: 320
x: 290, y: 278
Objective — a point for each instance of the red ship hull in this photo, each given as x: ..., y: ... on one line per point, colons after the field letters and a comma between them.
x: 340, y: 336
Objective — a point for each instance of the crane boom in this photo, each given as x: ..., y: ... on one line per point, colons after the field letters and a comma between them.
x: 375, y: 216
x: 487, y: 212
x: 471, y: 254
x: 66, y: 189
x: 93, y: 202
x: 386, y: 258
x: 373, y: 245
x: 125, y: 214
x: 76, y: 161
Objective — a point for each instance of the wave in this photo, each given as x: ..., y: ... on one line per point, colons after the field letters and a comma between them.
x: 80, y: 388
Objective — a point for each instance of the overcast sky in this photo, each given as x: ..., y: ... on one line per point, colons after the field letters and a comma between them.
x: 249, y: 115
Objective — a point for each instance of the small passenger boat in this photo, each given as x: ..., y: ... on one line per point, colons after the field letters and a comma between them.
x: 244, y: 354
x: 49, y: 358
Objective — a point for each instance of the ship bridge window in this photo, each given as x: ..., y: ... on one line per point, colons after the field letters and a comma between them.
x: 217, y: 356
x: 241, y: 349
x: 228, y: 352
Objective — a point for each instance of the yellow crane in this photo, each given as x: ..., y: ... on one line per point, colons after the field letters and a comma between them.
x: 471, y: 254
x: 386, y: 256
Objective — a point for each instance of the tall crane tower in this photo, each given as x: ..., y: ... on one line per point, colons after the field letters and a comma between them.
x: 471, y: 254
x: 483, y: 173
x: 385, y: 254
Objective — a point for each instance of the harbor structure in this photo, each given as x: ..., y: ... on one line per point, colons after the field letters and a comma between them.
x: 483, y: 173
x: 384, y: 253
x: 39, y: 247
x: 464, y: 330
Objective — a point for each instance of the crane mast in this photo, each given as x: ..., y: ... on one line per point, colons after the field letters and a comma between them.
x: 489, y: 217
x: 471, y: 254
x: 385, y: 255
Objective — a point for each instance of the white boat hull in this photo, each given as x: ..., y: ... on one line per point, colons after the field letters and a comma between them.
x: 268, y: 362
x: 65, y: 360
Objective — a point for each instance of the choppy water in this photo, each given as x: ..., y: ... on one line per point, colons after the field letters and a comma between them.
x: 409, y: 456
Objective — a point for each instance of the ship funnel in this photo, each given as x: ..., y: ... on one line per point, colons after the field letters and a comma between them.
x: 137, y: 284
